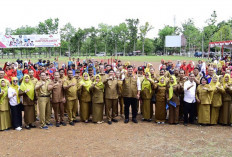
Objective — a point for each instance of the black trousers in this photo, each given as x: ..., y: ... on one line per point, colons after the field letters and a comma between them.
x: 16, y: 115
x: 130, y: 102
x: 189, y: 109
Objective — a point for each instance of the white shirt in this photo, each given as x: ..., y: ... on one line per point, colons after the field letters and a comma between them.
x: 138, y: 82
x: 190, y: 95
x: 12, y: 99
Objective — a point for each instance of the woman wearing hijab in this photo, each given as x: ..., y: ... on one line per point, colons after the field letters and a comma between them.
x: 97, y: 92
x: 146, y: 95
x: 85, y: 105
x: 218, y: 90
x: 5, y: 120
x: 15, y: 106
x: 27, y: 90
x: 160, y: 106
x: 203, y: 97
x: 225, y: 111
x: 172, y: 94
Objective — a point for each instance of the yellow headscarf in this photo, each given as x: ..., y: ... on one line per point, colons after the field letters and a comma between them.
x: 171, y: 87
x: 127, y: 63
x: 99, y: 84
x: 146, y: 83
x: 148, y: 67
x: 224, y: 82
x: 16, y: 88
x: 216, y: 84
x: 86, y: 83
x: 162, y: 84
x: 5, y: 89
x: 24, y: 86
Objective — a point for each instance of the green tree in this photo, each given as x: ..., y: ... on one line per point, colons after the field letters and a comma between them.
x: 192, y: 34
x: 49, y: 26
x: 78, y: 39
x: 143, y: 32
x: 104, y: 30
x: 132, y: 25
x: 67, y: 32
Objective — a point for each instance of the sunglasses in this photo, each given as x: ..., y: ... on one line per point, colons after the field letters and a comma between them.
x: 15, y: 80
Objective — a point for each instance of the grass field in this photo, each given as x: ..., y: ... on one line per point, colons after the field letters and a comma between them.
x: 126, y: 58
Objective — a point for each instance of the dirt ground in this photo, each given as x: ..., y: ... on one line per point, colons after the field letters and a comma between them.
x: 142, y: 139
x: 118, y: 139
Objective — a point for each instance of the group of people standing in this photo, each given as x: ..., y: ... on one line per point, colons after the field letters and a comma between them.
x: 92, y: 89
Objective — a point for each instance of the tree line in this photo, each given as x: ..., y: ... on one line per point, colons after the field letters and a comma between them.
x: 125, y: 37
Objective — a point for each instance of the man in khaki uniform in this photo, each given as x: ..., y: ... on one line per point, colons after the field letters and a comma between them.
x: 58, y: 99
x: 111, y: 97
x: 34, y: 81
x: 70, y: 87
x: 131, y: 92
x: 63, y: 78
x: 41, y: 88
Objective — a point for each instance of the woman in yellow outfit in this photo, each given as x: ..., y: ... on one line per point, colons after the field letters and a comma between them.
x: 85, y: 105
x: 97, y: 91
x: 173, y: 90
x: 160, y: 106
x: 146, y: 94
x: 5, y: 120
x: 218, y: 90
x: 203, y: 97
x: 225, y: 111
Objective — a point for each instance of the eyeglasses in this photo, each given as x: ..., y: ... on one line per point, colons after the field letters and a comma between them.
x: 15, y: 80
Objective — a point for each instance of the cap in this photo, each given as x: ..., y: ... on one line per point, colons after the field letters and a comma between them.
x: 140, y: 68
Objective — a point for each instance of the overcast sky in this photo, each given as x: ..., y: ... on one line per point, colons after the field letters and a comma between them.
x: 86, y: 13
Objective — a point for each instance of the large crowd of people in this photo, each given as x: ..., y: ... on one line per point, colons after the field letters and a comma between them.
x: 192, y: 93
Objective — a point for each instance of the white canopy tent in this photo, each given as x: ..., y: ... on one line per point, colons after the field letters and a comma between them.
x: 221, y: 44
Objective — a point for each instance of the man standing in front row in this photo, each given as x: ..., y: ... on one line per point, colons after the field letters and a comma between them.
x: 70, y: 87
x: 189, y: 99
x: 58, y: 99
x: 41, y: 88
x: 131, y: 92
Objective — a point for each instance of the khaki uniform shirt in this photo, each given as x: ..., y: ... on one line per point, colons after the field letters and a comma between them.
x: 42, y: 91
x: 111, y: 89
x: 71, y: 93
x: 204, y: 95
x: 57, y: 92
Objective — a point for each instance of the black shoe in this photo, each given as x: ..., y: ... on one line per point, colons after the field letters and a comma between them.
x: 134, y: 120
x: 75, y: 121
x: 114, y: 120
x: 185, y: 124
x: 126, y: 120
x: 57, y: 124
x: 71, y: 123
x: 32, y: 126
x: 149, y: 120
x: 144, y: 119
x: 28, y: 127
x: 109, y: 122
x: 49, y: 124
x: 63, y: 123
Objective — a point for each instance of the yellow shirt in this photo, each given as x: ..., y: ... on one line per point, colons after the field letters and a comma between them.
x: 42, y: 91
x: 71, y: 92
